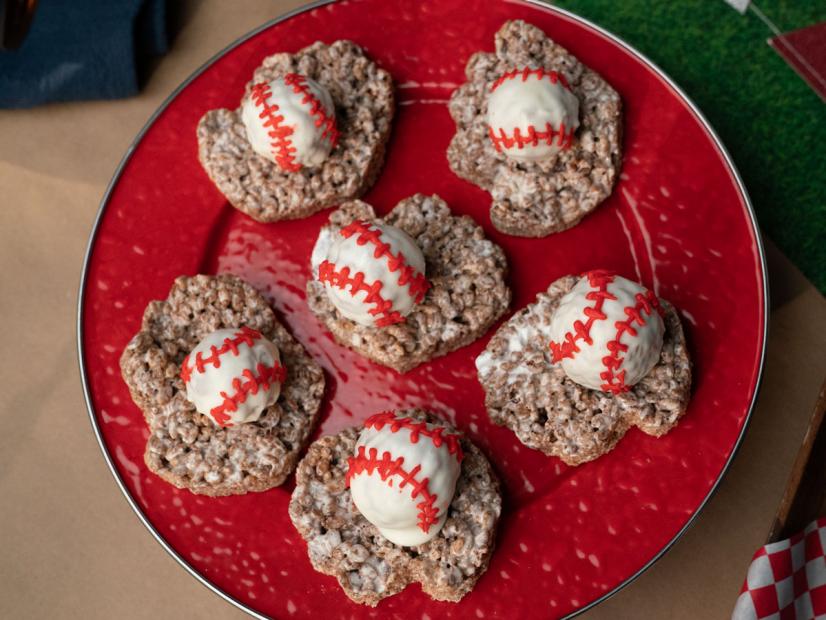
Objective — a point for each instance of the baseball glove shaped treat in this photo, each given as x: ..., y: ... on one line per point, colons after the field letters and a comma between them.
x: 538, y: 130
x: 405, y: 499
x: 408, y: 287
x: 229, y: 396
x: 592, y: 356
x: 309, y: 133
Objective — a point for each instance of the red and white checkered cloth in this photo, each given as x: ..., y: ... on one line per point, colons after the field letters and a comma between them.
x: 787, y: 579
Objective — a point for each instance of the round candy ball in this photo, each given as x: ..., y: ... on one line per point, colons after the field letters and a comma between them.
x: 607, y: 332
x: 232, y: 375
x: 532, y: 114
x: 403, y: 475
x: 290, y: 121
x: 373, y: 273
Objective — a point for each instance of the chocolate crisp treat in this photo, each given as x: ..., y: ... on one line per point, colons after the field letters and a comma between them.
x: 362, y: 95
x: 467, y: 290
x: 537, y: 198
x: 549, y: 412
x: 187, y: 448
x: 342, y: 543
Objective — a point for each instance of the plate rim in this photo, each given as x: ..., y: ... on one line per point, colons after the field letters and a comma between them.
x: 308, y: 7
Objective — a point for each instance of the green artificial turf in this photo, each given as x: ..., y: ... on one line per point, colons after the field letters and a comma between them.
x: 771, y: 121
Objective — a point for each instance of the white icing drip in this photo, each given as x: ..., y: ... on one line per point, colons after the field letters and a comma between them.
x: 450, y: 331
x: 520, y: 337
x: 516, y: 372
x: 532, y: 328
x: 321, y: 547
x: 484, y: 364
x: 321, y: 249
x: 514, y: 188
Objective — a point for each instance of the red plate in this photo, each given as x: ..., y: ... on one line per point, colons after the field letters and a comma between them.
x: 679, y: 221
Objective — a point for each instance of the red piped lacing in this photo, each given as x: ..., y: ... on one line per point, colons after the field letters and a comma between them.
x: 525, y: 73
x: 248, y: 383
x: 341, y: 279
x: 245, y: 335
x: 501, y: 140
x: 417, y: 429
x: 533, y: 137
x: 282, y: 146
x: 243, y: 386
x: 582, y: 331
x: 322, y: 119
x: 416, y: 283
x: 369, y: 462
x: 614, y: 381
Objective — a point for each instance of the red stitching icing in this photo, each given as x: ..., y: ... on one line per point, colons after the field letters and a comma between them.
x: 645, y: 304
x: 299, y: 84
x: 341, y: 279
x: 245, y: 335
x: 242, y: 389
x: 387, y: 467
x: 533, y: 136
x: 282, y: 146
x: 553, y: 76
x: 417, y: 284
x: 436, y: 435
x: 582, y: 331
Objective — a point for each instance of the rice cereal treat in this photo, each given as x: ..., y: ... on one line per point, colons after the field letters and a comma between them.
x: 229, y: 396
x: 405, y: 499
x: 310, y: 133
x: 538, y: 130
x: 592, y: 356
x: 408, y: 287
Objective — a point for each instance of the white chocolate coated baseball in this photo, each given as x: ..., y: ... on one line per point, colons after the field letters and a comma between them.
x: 532, y: 114
x: 290, y: 121
x: 607, y: 332
x: 373, y: 273
x: 386, y: 494
x: 232, y: 375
